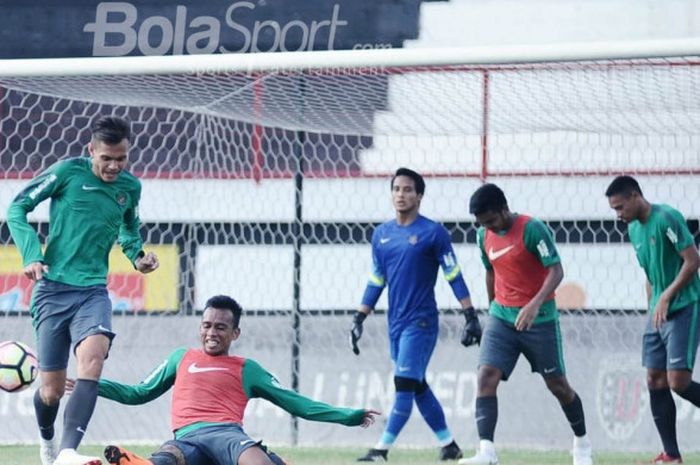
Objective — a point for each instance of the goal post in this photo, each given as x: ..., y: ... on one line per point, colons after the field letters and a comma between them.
x: 264, y: 176
x: 347, y: 59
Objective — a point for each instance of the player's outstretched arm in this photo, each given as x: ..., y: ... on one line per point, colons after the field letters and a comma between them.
x: 368, y: 419
x: 257, y: 382
x: 154, y: 385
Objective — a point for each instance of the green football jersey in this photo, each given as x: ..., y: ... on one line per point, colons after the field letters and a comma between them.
x: 86, y: 217
x: 658, y: 244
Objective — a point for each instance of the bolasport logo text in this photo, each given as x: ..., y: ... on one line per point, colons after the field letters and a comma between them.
x: 119, y: 30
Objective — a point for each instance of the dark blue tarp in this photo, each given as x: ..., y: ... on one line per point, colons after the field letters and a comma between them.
x: 70, y: 28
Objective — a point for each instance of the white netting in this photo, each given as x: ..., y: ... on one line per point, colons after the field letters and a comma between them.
x: 267, y: 186
x: 616, y: 97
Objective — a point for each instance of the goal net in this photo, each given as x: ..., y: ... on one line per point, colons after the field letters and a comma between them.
x: 264, y: 177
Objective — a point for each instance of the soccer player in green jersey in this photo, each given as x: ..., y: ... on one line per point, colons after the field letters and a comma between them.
x: 669, y: 257
x: 93, y: 204
x: 210, y: 392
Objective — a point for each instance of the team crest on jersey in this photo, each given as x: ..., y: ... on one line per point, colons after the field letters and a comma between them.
x: 413, y: 240
x: 121, y: 198
x: 622, y: 396
x: 652, y: 241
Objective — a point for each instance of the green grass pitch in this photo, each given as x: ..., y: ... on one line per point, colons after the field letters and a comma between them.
x: 29, y: 455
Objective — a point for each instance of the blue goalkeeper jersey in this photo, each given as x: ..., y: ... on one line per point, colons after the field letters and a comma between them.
x: 406, y: 259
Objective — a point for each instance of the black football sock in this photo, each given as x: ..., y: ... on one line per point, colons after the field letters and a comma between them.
x: 574, y: 413
x: 78, y: 412
x: 45, y: 416
x: 486, y: 413
x: 663, y: 408
x: 692, y: 393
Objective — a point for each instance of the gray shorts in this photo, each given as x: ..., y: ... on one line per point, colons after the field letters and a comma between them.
x: 214, y: 445
x: 502, y: 344
x: 675, y: 344
x: 63, y: 315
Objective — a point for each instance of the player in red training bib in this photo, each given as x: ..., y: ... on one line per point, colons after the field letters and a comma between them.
x: 211, y: 391
x: 523, y: 269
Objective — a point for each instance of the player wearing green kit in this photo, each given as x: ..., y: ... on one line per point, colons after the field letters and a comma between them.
x: 211, y: 391
x: 523, y: 269
x: 666, y: 251
x: 93, y: 204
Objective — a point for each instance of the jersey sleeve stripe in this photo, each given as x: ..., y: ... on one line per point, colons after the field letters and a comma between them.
x: 376, y: 280
x: 453, y: 273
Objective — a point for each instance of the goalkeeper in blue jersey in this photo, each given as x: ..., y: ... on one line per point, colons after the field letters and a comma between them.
x: 406, y: 255
x: 94, y: 202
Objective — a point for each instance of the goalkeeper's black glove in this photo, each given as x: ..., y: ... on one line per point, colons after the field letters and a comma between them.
x: 471, y: 333
x: 356, y: 331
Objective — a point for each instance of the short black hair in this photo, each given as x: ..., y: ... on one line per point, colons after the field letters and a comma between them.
x: 487, y: 198
x: 224, y: 302
x: 417, y: 179
x: 623, y: 185
x: 111, y: 130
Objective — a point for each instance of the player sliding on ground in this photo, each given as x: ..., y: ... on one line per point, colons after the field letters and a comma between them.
x: 211, y: 391
x: 523, y: 269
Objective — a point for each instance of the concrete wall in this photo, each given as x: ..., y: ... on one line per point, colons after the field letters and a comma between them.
x: 501, y: 22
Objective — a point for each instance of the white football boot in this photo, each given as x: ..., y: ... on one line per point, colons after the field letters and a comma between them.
x: 48, y: 450
x: 486, y: 455
x: 582, y: 451
x: 71, y: 457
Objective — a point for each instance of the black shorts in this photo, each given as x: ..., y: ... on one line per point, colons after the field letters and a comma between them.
x: 675, y: 344
x: 63, y: 315
x: 502, y: 344
x: 218, y: 444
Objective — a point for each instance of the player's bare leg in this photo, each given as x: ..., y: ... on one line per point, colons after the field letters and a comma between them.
x: 254, y: 456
